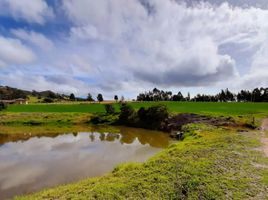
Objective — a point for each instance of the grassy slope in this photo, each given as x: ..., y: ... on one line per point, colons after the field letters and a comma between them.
x: 43, y: 119
x: 211, y: 163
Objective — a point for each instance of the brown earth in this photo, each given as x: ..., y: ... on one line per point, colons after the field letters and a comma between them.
x: 176, y: 122
x: 264, y: 138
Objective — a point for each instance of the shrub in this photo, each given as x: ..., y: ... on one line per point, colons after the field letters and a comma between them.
x: 2, y: 106
x: 153, y: 117
x: 127, y: 115
x: 48, y: 100
x: 109, y: 109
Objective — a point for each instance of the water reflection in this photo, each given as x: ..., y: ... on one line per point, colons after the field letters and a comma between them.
x: 105, y: 133
x: 29, y: 163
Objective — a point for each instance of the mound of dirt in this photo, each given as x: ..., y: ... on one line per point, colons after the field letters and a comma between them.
x: 176, y: 122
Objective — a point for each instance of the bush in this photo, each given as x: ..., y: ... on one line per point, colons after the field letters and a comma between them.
x: 153, y: 117
x: 109, y: 109
x: 127, y: 115
x: 142, y: 112
x: 2, y: 106
x: 48, y: 100
x: 104, y: 119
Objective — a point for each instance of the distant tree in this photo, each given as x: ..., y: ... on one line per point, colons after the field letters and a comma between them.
x: 116, y: 98
x: 122, y: 99
x: 100, y: 97
x: 72, y: 97
x: 89, y: 97
x: 188, y: 96
x: 51, y: 95
x: 2, y: 106
x: 229, y: 95
x: 48, y: 100
x: 178, y: 97
x: 34, y: 93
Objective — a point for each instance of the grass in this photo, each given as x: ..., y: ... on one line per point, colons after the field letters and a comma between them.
x: 74, y: 113
x: 177, y: 107
x: 51, y: 119
x: 211, y: 163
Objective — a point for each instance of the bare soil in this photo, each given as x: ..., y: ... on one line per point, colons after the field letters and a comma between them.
x: 264, y: 138
x: 176, y: 122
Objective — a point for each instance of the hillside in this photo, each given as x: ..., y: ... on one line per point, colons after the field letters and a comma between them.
x: 8, y: 93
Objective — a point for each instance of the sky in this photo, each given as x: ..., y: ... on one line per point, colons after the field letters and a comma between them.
x: 125, y: 47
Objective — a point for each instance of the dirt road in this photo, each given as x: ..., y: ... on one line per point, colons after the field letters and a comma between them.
x: 264, y: 138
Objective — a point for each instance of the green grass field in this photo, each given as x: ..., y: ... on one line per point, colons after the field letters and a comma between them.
x: 178, y: 107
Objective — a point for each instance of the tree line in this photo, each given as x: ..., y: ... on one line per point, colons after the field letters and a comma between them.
x: 256, y: 95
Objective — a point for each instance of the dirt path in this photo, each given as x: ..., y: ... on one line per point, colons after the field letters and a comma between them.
x: 264, y: 138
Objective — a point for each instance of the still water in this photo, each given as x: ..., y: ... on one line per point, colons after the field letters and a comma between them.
x: 30, y: 163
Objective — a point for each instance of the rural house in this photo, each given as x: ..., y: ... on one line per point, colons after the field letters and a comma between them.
x: 15, y: 101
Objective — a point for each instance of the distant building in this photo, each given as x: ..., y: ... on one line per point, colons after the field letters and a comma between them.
x: 15, y: 101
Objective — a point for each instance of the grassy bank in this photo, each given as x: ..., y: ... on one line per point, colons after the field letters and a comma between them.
x: 177, y: 107
x: 211, y: 163
x: 43, y: 119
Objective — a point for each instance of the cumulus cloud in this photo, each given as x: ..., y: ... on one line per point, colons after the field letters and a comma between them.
x: 34, y: 38
x: 166, y: 42
x: 36, y: 11
x: 130, y: 46
x: 58, y: 83
x: 258, y: 74
x: 12, y: 51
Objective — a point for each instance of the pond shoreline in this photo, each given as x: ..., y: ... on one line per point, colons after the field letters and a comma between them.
x: 33, y: 161
x: 172, y: 126
x: 182, y: 171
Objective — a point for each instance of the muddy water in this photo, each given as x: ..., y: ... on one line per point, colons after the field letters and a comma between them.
x: 30, y: 163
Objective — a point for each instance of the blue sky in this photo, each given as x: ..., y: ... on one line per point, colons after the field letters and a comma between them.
x: 125, y: 47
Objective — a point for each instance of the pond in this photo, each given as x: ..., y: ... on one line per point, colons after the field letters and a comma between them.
x: 31, y: 162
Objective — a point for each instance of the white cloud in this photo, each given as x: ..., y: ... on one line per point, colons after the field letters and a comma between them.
x: 34, y: 38
x: 129, y: 46
x: 58, y: 83
x: 258, y: 75
x: 36, y: 11
x: 12, y: 51
x: 168, y: 43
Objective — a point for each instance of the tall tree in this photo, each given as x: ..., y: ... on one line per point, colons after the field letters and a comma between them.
x: 89, y: 97
x: 72, y: 97
x: 100, y: 97
x: 116, y: 98
x: 188, y: 96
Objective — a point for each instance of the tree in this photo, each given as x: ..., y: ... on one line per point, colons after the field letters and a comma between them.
x: 89, y: 97
x: 2, y: 106
x: 178, y: 97
x: 52, y: 95
x: 122, y: 99
x: 48, y: 100
x: 72, y: 97
x: 116, y: 98
x: 127, y: 114
x: 188, y: 96
x: 100, y: 98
